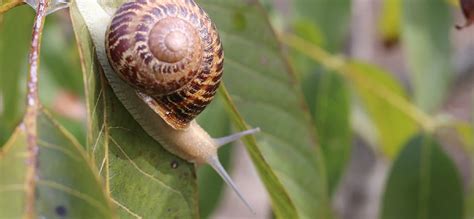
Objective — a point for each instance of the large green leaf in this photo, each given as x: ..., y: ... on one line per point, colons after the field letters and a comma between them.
x: 266, y: 94
x: 143, y: 179
x: 66, y: 182
x: 423, y: 183
x: 15, y: 33
x: 426, y: 25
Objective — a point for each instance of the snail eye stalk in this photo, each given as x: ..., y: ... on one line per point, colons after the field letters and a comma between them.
x: 234, y: 137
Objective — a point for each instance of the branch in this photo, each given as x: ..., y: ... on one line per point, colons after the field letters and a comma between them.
x: 33, y: 104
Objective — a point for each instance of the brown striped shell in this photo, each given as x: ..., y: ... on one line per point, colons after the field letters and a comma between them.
x: 170, y: 52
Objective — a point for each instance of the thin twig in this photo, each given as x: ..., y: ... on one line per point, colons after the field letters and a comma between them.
x: 33, y: 105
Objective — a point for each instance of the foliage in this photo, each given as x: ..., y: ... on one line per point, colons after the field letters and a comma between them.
x: 294, y: 83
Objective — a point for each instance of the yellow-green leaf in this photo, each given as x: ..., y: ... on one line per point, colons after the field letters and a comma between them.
x: 6, y: 5
x: 381, y: 95
x: 389, y: 23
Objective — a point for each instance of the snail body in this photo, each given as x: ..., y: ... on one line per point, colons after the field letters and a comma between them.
x: 164, y: 61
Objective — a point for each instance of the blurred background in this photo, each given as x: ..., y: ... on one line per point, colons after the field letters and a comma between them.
x: 384, y: 33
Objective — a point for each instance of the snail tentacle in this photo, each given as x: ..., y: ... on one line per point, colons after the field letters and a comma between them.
x: 217, y: 166
x: 234, y: 137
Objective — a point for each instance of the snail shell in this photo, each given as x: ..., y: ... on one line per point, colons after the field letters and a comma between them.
x: 170, y: 52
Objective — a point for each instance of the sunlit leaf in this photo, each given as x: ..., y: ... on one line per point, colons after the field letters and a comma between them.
x: 380, y: 93
x: 423, y: 183
x: 66, y: 183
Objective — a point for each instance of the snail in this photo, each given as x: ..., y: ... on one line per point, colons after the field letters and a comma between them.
x: 164, y: 61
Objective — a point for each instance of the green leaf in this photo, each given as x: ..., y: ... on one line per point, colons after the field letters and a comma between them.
x: 426, y: 25
x: 265, y: 93
x: 380, y: 94
x: 467, y: 134
x: 331, y: 115
x: 331, y: 17
x: 423, y: 183
x: 15, y: 34
x: 143, y: 179
x: 66, y: 183
x: 60, y: 56
x: 469, y: 201
x: 283, y: 207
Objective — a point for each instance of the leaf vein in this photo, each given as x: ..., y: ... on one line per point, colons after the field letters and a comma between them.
x: 12, y: 188
x: 139, y: 169
x: 58, y: 148
x: 126, y: 209
x: 86, y: 198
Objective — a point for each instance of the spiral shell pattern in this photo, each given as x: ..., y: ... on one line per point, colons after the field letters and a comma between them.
x: 170, y: 52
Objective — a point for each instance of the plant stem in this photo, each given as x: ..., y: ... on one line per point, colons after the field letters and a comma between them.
x: 33, y: 104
